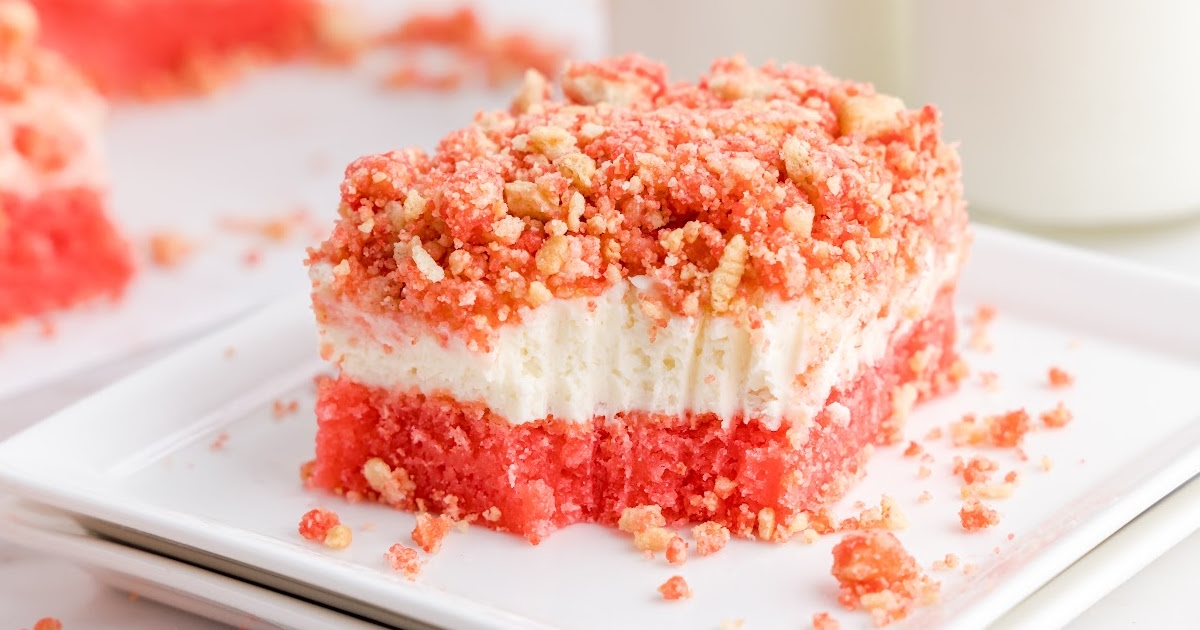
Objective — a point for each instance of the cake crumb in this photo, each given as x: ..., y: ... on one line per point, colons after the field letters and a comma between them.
x: 970, y: 568
x: 637, y: 519
x: 405, y: 560
x: 1004, y: 430
x: 924, y: 472
x: 220, y: 441
x: 990, y: 381
x: 1047, y: 464
x: 281, y: 408
x: 306, y: 471
x: 950, y: 561
x: 1011, y: 536
x: 986, y: 490
x: 338, y: 537
x: 975, y: 516
x: 925, y: 497
x: 710, y: 537
x: 976, y: 469
x: 875, y: 573
x: 887, y: 515
x: 732, y: 624
x: 653, y: 540
x: 675, y: 588
x: 1059, y: 378
x: 1057, y: 417
x: 48, y: 623
x: 170, y: 249
x: 430, y: 530
x: 823, y: 621
x: 934, y: 434
x: 316, y: 523
x: 913, y: 450
x: 677, y: 550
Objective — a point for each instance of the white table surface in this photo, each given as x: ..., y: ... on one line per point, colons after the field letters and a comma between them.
x: 33, y: 586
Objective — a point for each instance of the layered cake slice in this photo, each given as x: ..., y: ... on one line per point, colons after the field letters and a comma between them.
x: 162, y: 48
x: 57, y: 247
x: 713, y: 298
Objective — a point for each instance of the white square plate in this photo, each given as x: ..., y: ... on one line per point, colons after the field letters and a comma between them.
x: 137, y: 462
x: 176, y: 584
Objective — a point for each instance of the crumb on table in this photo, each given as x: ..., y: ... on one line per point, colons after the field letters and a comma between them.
x: 316, y: 523
x: 170, y: 249
x: 1059, y: 377
x: 48, y: 623
x: 1057, y: 417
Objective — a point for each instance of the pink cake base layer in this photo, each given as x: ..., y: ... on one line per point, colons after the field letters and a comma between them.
x: 542, y: 475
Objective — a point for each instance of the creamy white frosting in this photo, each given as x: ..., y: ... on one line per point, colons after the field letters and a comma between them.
x: 579, y: 358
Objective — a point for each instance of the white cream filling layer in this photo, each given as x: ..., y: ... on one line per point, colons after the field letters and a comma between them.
x: 580, y: 358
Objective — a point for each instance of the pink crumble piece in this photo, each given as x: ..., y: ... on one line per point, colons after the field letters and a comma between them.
x: 1059, y: 378
x: 430, y: 530
x: 404, y: 560
x: 316, y: 523
x: 824, y: 621
x: 675, y: 588
x: 975, y: 516
x: 711, y: 537
x: 677, y: 551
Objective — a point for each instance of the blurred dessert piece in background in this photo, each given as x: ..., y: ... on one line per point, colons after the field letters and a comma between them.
x: 471, y: 50
x: 154, y: 49
x: 57, y: 247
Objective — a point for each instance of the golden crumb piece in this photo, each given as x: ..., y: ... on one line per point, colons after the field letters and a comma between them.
x: 871, y: 116
x: 338, y: 537
x: 641, y: 517
x: 170, y: 249
x: 728, y: 274
x: 653, y: 539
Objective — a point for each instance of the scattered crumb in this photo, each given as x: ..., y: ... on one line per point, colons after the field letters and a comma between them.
x: 987, y: 490
x: 934, y: 434
x: 732, y: 624
x: 913, y: 450
x: 976, y: 516
x: 946, y: 563
x: 306, y: 471
x: 1005, y: 430
x: 1047, y: 463
x: 925, y: 497
x: 1059, y: 377
x: 886, y: 516
x: 1011, y: 477
x: 252, y: 258
x: 989, y: 381
x: 280, y: 408
x: 822, y: 621
x: 976, y: 469
x: 1011, y: 535
x: 970, y: 568
x: 316, y: 523
x: 677, y: 550
x: 48, y: 623
x: 220, y: 441
x: 996, y: 550
x: 230, y: 352
x: 277, y: 228
x: 1058, y: 417
x: 637, y: 519
x: 924, y: 472
x: 430, y: 530
x: 675, y: 588
x: 653, y: 540
x: 710, y: 537
x: 338, y: 537
x: 170, y: 249
x: 874, y: 572
x: 405, y: 560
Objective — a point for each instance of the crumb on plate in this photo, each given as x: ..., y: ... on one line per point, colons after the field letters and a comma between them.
x: 404, y: 560
x: 710, y: 537
x: 875, y: 573
x: 430, y: 530
x: 675, y: 588
x: 975, y: 516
